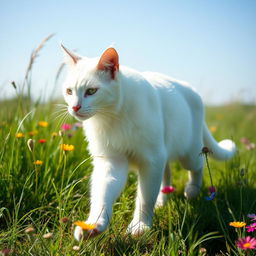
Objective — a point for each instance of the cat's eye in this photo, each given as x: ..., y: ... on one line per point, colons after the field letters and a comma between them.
x: 90, y: 91
x: 69, y: 91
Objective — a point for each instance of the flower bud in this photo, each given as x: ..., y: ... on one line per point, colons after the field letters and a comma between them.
x: 30, y: 144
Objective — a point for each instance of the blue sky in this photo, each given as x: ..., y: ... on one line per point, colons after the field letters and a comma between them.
x: 210, y: 44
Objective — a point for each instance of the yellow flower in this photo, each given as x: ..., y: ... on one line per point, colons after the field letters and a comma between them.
x: 67, y: 147
x: 213, y: 128
x: 84, y: 225
x: 43, y: 123
x: 237, y: 224
x: 32, y: 133
x: 38, y: 162
x: 54, y: 134
x: 19, y: 135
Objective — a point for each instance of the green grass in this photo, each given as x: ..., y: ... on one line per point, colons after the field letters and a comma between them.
x: 51, y: 196
x: 41, y: 196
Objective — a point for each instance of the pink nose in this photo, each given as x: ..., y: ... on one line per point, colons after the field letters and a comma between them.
x: 76, y: 108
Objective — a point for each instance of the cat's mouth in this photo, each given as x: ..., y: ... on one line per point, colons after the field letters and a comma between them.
x: 82, y: 117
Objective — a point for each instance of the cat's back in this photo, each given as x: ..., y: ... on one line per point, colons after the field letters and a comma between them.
x: 172, y: 88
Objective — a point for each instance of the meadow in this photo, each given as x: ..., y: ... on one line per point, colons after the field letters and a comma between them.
x: 44, y: 188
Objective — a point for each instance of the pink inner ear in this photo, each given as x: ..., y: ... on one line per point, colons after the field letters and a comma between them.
x: 109, y: 62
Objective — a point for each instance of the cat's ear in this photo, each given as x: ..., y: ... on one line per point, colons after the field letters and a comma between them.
x: 71, y: 58
x: 109, y: 62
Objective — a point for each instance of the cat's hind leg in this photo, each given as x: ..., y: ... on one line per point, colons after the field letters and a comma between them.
x: 166, y: 181
x: 194, y: 163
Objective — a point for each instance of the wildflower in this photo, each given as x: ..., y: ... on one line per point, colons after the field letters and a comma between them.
x: 246, y: 243
x: 84, y: 225
x: 213, y: 128
x: 38, y: 162
x: 237, y: 224
x: 250, y: 146
x: 5, y: 252
x: 32, y: 133
x: 252, y: 216
x: 54, y: 134
x: 205, y: 151
x: 41, y: 141
x: 61, y: 133
x: 202, y: 252
x: 167, y: 189
x: 211, y: 189
x: 30, y: 144
x: 251, y: 227
x: 76, y: 126
x: 76, y: 248
x: 29, y: 230
x: 67, y: 147
x: 211, y: 196
x: 64, y: 220
x: 48, y: 235
x: 65, y: 127
x: 19, y: 135
x: 42, y: 123
x: 244, y: 140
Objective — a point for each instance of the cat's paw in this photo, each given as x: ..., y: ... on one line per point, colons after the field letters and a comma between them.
x: 191, y: 191
x: 80, y: 233
x: 138, y: 228
x: 161, y: 200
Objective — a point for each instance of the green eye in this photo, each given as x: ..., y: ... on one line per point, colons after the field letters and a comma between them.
x: 90, y: 91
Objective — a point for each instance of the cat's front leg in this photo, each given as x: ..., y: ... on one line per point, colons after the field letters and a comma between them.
x: 108, y: 178
x: 149, y: 181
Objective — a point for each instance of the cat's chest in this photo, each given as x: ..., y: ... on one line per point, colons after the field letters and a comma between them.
x: 122, y: 138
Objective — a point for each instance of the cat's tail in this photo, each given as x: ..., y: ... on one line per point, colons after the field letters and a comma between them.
x: 223, y: 150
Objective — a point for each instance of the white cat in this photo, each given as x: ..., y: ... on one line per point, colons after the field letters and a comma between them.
x: 141, y: 118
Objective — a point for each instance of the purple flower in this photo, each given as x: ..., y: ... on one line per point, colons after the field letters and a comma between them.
x: 252, y: 216
x: 211, y: 196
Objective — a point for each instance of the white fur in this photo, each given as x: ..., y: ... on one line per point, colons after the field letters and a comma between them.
x: 141, y: 118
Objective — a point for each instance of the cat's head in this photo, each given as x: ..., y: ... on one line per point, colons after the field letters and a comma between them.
x: 91, y: 85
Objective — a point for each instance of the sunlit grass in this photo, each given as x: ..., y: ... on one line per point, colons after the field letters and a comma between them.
x: 44, y: 189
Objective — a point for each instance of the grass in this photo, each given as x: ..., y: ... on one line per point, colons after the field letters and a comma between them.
x: 49, y: 197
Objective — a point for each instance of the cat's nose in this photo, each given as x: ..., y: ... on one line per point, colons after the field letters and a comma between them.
x: 76, y: 108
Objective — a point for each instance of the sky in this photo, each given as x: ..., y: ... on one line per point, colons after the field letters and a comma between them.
x: 210, y: 44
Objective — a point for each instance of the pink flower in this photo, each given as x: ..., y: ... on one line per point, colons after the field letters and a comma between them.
x: 244, y: 140
x: 65, y: 127
x: 246, y: 243
x: 167, y: 189
x: 251, y: 227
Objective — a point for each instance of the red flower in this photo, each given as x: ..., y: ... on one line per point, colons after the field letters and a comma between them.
x: 42, y: 141
x: 211, y: 189
x: 167, y: 189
